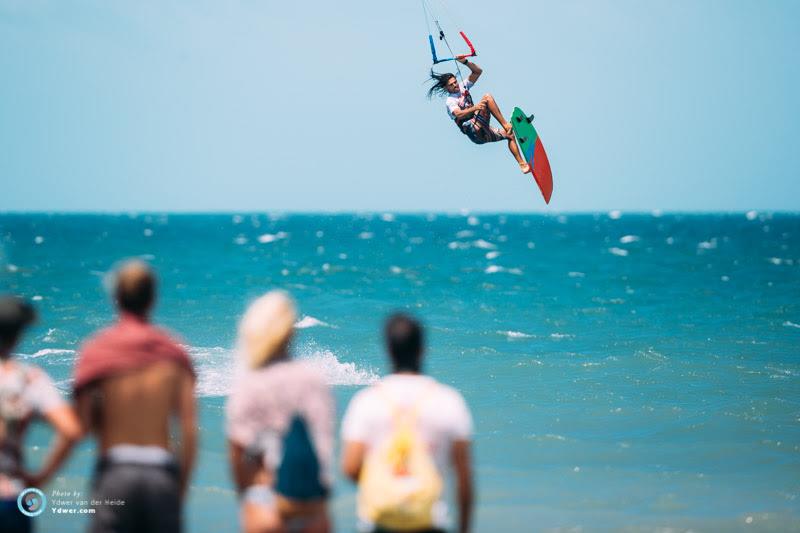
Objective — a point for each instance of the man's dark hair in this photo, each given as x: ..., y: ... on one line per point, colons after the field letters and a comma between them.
x: 135, y: 288
x: 440, y: 81
x: 404, y: 339
x: 15, y: 316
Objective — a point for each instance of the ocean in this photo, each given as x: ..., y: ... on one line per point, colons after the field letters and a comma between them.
x: 636, y: 372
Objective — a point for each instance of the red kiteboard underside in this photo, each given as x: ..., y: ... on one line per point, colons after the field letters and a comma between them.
x: 540, y: 167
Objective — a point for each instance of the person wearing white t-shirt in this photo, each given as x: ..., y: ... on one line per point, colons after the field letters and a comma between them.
x: 474, y: 119
x: 442, y: 420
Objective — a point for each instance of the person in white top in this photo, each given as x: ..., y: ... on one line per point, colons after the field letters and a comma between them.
x: 474, y: 119
x: 442, y: 420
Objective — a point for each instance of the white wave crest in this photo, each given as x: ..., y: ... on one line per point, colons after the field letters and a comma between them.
x: 217, y: 369
x: 495, y: 269
x: 45, y: 352
x: 310, y: 322
x: 516, y: 334
x: 788, y: 324
x: 485, y: 245
x: 268, y: 237
x: 779, y: 261
x: 629, y: 238
x: 337, y: 372
x: 618, y: 251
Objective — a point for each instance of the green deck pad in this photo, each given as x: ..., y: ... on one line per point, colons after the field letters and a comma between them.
x: 524, y: 130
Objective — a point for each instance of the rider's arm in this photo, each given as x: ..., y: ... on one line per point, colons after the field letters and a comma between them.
x: 475, y: 70
x: 466, y: 114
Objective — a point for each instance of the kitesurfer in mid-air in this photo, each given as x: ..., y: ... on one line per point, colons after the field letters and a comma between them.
x: 473, y: 119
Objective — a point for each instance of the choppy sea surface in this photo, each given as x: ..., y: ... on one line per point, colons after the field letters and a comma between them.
x: 632, y: 372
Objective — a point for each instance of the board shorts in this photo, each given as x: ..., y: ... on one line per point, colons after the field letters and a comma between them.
x: 480, y: 132
x: 135, y: 496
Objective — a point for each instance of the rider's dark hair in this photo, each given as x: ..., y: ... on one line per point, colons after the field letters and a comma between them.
x: 440, y: 81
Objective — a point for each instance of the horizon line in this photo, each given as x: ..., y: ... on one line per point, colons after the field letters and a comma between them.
x: 401, y: 212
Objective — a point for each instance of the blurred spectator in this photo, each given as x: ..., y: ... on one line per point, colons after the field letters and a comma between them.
x: 401, y: 437
x: 280, y: 425
x: 131, y: 379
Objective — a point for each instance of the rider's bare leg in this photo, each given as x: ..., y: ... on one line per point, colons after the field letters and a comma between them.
x: 512, y: 144
x: 495, y: 111
x: 523, y: 165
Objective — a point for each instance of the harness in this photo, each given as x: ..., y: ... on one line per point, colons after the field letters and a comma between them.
x: 464, y: 125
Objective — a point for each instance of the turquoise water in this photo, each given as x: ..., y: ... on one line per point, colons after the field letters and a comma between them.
x: 624, y: 371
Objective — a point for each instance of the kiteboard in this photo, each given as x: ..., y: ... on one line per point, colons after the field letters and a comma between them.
x: 530, y: 146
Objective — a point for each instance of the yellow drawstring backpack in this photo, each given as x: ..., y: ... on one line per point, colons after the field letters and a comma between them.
x: 399, y: 482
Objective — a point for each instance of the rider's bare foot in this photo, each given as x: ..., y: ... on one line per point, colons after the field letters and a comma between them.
x: 525, y: 168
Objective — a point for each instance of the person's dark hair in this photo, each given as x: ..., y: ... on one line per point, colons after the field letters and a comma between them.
x: 135, y: 288
x: 404, y: 339
x: 440, y: 81
x: 15, y: 316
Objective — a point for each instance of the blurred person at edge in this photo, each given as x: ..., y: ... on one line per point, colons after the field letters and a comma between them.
x: 26, y: 392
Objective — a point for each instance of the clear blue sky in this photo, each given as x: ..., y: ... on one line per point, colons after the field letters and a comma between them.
x: 320, y: 106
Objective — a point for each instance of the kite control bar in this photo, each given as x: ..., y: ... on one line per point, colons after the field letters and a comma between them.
x: 472, y: 52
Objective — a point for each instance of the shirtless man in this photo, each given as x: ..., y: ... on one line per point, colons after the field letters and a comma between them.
x: 131, y: 379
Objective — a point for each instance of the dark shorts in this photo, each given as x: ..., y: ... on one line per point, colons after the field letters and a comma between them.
x: 11, y: 518
x: 136, y: 498
x: 480, y: 132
